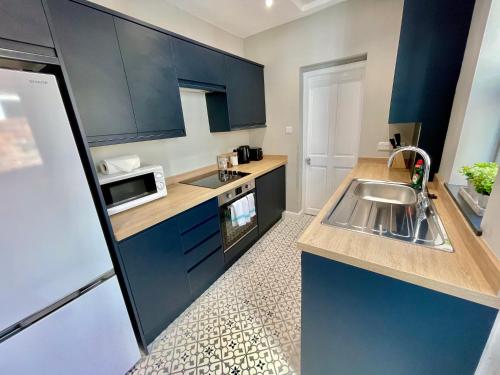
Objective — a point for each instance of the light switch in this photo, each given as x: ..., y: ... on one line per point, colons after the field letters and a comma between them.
x: 289, y: 130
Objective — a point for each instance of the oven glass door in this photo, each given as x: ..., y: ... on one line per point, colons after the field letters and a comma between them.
x: 119, y: 192
x: 231, y: 233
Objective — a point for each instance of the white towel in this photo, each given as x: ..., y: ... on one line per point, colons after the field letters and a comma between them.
x: 251, y: 204
x: 240, y: 213
x: 234, y: 217
x: 245, y: 210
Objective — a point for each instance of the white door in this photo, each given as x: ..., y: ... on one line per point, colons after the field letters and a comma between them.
x: 333, y: 107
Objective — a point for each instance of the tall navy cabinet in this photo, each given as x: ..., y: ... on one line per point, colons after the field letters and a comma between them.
x: 24, y: 21
x: 430, y: 53
x: 149, y: 66
x: 245, y: 93
x: 91, y: 56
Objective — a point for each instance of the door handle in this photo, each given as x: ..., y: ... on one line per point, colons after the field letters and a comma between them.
x: 308, y: 161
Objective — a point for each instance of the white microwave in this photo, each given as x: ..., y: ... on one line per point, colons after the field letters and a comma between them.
x: 123, y: 191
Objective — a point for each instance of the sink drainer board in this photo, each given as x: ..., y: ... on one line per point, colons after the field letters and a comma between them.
x: 376, y: 216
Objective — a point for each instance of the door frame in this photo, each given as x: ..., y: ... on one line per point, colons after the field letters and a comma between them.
x: 308, y: 72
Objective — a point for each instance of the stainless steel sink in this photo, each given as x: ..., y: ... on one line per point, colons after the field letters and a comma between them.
x: 385, y: 192
x: 390, y: 210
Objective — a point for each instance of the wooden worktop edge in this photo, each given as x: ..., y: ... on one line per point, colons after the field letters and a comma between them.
x: 461, y: 291
x: 422, y: 281
x: 134, y: 227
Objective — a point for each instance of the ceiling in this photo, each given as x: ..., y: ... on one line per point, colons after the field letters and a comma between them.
x: 244, y: 18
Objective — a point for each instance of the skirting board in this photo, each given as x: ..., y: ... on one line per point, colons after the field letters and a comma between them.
x: 293, y: 214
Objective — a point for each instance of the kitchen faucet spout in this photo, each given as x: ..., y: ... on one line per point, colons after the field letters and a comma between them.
x: 423, y: 198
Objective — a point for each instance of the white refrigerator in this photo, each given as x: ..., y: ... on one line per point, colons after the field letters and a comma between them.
x: 61, y: 308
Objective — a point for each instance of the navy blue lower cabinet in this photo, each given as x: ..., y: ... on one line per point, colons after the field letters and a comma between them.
x: 358, y: 322
x: 155, y: 270
x: 270, y: 190
x: 202, y: 245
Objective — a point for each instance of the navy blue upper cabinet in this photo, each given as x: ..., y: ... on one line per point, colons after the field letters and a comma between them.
x: 245, y: 93
x: 148, y: 59
x: 87, y: 43
x: 198, y: 64
x: 155, y: 270
x: 430, y: 53
x: 25, y: 21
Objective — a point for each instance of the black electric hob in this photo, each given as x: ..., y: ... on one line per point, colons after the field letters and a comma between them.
x: 215, y: 179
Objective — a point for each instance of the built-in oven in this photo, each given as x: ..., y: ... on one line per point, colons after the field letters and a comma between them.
x: 236, y: 238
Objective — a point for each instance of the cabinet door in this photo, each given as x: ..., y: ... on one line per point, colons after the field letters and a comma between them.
x: 271, y: 198
x: 198, y: 64
x: 148, y: 59
x: 24, y: 21
x: 245, y: 93
x: 154, y: 267
x: 88, y: 45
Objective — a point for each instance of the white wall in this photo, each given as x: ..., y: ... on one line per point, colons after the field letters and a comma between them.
x: 171, y: 18
x: 200, y: 147
x: 474, y: 129
x: 177, y: 155
x: 350, y: 28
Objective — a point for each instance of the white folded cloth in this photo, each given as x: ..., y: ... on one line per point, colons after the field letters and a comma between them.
x: 240, y: 212
x: 251, y: 204
x: 234, y: 217
x: 125, y: 163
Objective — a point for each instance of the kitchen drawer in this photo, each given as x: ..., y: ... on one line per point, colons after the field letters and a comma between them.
x: 197, y: 215
x: 195, y: 255
x: 200, y: 233
x: 206, y: 273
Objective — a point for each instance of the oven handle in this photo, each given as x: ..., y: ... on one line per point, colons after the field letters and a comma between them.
x: 241, y: 195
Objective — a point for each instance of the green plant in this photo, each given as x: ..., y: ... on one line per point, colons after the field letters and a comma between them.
x: 482, y: 175
x: 467, y: 171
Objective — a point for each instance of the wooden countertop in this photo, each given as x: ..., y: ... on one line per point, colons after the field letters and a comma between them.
x: 471, y: 272
x: 181, y: 197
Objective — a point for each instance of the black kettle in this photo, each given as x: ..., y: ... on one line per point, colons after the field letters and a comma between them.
x: 243, y: 154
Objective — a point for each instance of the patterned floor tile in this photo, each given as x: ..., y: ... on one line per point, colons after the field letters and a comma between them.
x: 247, y: 322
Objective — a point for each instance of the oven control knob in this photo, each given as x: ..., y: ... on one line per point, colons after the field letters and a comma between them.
x: 160, y: 185
x: 246, y: 186
x: 229, y: 195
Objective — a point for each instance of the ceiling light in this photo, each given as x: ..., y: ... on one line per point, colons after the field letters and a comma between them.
x: 269, y: 3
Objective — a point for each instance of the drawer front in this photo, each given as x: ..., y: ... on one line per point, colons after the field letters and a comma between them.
x: 199, y: 234
x: 206, y: 273
x: 198, y: 253
x: 196, y: 215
